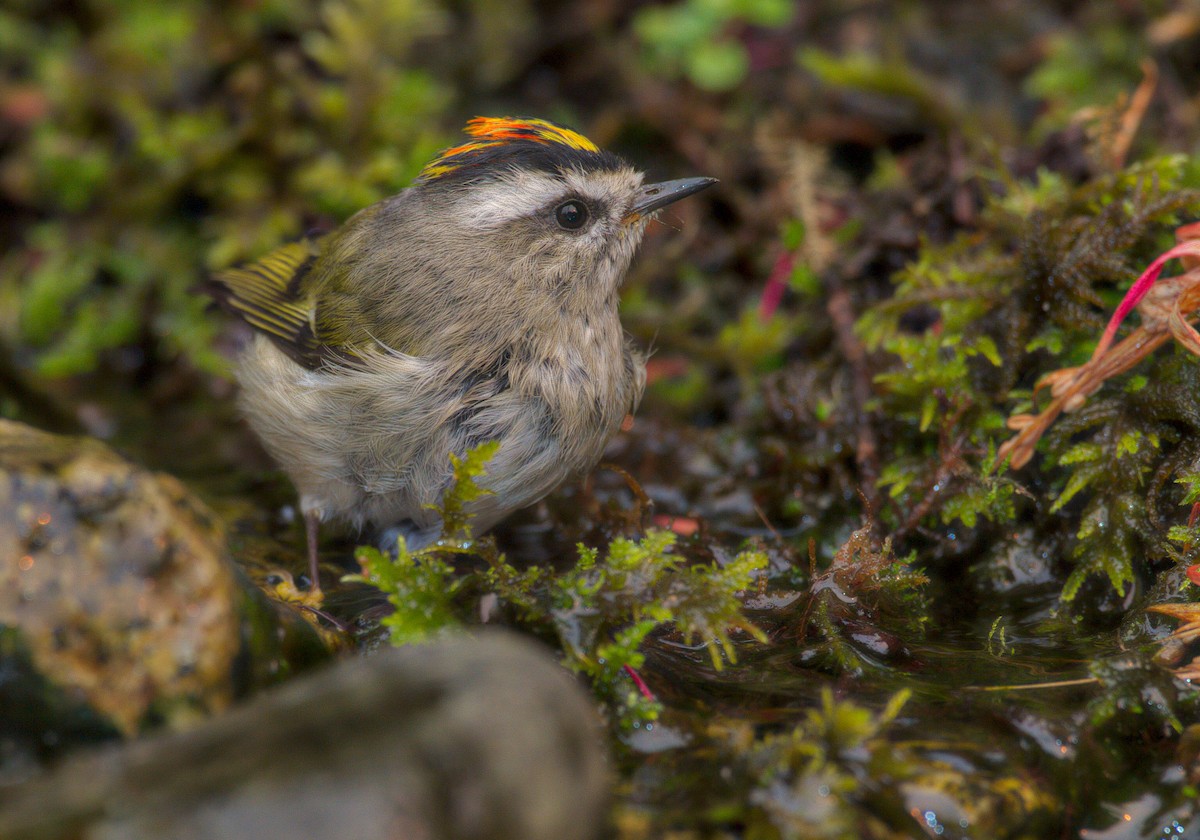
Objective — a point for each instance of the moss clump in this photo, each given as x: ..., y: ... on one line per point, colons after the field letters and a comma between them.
x: 1031, y: 296
x: 600, y: 611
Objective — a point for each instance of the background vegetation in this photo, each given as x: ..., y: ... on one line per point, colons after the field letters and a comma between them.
x: 923, y: 209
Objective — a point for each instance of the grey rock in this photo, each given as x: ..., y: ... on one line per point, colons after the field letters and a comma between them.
x: 482, y: 738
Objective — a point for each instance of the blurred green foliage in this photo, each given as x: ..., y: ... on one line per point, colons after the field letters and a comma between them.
x: 698, y: 39
x: 865, y: 72
x: 1079, y: 72
x: 161, y: 140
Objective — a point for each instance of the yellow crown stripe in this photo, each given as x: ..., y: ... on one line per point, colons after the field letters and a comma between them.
x: 510, y: 128
x: 493, y: 131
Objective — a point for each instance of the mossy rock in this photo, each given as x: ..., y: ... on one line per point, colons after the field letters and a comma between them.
x: 120, y: 607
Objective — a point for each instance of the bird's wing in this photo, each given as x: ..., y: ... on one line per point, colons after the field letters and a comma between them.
x: 272, y: 296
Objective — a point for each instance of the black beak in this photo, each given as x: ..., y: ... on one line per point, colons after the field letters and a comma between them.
x: 653, y: 197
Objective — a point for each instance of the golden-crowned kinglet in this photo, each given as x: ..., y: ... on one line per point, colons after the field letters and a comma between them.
x: 479, y: 304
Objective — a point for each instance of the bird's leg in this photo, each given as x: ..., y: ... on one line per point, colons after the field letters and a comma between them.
x: 312, y: 520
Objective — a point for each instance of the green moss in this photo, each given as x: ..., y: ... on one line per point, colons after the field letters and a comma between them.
x: 172, y: 139
x: 693, y: 38
x: 866, y: 73
x: 1081, y: 70
x: 1029, y: 297
x: 421, y: 586
x: 600, y: 610
x: 809, y: 781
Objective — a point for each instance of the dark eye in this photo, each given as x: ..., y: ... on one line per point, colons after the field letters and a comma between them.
x: 571, y: 215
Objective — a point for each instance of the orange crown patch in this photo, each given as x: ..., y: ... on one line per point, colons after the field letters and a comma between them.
x: 495, y: 131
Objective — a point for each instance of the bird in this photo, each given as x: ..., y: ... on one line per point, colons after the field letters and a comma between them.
x: 478, y: 304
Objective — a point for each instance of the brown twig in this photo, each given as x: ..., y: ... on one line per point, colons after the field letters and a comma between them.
x: 642, y: 502
x: 1081, y: 383
x: 951, y: 464
x: 866, y: 450
x: 1131, y: 119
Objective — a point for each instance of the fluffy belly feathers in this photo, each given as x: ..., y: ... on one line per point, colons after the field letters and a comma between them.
x: 372, y: 445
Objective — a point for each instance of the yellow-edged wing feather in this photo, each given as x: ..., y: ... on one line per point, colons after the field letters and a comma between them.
x: 269, y: 295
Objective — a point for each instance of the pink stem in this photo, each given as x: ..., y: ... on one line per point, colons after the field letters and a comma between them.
x: 776, y: 285
x: 1138, y: 291
x: 639, y: 682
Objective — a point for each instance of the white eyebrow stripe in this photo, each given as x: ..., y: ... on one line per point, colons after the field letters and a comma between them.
x: 517, y: 195
x: 603, y: 186
x: 512, y: 196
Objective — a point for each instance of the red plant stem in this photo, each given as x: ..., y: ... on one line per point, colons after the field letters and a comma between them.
x: 639, y: 682
x: 1138, y: 291
x: 1193, y: 572
x: 776, y: 285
